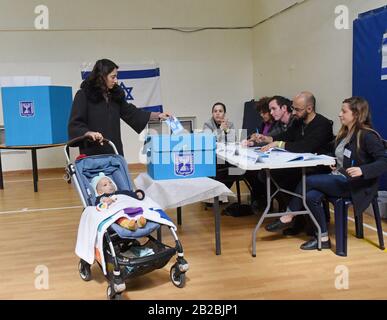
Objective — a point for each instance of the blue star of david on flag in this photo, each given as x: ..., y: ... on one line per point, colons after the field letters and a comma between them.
x: 128, y: 92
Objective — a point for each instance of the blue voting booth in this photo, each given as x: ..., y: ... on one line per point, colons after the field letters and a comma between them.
x: 181, y: 156
x: 369, y: 72
x: 36, y: 115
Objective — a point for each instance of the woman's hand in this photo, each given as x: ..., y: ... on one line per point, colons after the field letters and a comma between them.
x: 247, y: 143
x: 259, y: 138
x: 95, y: 136
x: 354, y: 172
x: 253, y: 137
x: 224, y: 125
x: 164, y: 116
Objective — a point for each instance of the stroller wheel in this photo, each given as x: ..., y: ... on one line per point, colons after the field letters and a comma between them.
x: 111, y: 294
x: 84, y: 270
x: 177, y: 277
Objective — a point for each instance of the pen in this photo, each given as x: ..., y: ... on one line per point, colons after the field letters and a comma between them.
x: 257, y: 131
x: 353, y: 162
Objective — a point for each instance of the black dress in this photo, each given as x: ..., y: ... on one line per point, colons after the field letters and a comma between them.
x: 103, y: 116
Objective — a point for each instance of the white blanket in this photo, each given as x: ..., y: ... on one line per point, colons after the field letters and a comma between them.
x: 94, y: 223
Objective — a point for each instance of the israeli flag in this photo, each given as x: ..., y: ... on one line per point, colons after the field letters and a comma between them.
x: 384, y: 57
x: 141, y: 84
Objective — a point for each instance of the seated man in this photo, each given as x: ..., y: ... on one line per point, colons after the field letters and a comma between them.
x: 279, y: 109
x: 310, y: 132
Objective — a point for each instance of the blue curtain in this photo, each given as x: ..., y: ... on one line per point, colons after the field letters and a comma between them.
x: 368, y: 31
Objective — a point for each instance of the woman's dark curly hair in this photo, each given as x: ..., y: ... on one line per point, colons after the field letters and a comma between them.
x: 95, y: 85
x: 263, y: 105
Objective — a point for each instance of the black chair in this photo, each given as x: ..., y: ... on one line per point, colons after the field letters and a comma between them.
x: 236, y: 209
x: 341, y: 206
x: 237, y: 178
x: 251, y: 117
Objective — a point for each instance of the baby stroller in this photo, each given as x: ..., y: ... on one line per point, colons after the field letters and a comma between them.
x: 119, y: 244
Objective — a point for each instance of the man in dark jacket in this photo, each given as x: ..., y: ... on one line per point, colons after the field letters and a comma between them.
x: 310, y: 132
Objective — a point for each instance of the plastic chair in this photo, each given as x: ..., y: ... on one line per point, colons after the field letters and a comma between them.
x: 341, y: 223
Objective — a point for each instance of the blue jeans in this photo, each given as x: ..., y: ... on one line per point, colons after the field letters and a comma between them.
x: 318, y: 187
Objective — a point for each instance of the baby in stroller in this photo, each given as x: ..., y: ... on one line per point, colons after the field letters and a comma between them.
x: 105, y: 190
x: 121, y: 253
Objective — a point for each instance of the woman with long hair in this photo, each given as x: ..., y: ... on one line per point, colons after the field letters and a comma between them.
x: 98, y: 107
x: 361, y: 160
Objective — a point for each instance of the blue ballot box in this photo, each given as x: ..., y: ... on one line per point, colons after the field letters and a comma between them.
x: 36, y: 115
x: 181, y: 156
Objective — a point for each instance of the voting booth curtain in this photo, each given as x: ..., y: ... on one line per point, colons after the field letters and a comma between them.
x: 370, y: 67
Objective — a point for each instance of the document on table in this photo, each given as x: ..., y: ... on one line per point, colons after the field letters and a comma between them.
x: 274, y: 155
x: 277, y: 155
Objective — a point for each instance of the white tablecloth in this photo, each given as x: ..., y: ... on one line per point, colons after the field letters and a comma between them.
x: 175, y: 193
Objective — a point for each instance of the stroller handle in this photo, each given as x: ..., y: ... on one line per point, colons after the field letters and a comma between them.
x: 72, y: 143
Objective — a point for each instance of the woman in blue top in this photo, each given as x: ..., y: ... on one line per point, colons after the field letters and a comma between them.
x: 361, y: 159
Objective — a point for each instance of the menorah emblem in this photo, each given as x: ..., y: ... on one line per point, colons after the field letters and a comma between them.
x: 184, y: 165
x: 26, y: 108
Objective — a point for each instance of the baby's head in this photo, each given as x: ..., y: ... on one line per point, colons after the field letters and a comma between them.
x: 103, y: 184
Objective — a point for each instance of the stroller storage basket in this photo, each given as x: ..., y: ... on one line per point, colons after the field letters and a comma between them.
x: 132, y: 265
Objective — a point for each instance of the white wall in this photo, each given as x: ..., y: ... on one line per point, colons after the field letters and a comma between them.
x: 263, y: 9
x: 298, y: 49
x: 301, y: 49
x: 197, y: 68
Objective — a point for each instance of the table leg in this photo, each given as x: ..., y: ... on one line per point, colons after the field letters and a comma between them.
x: 265, y: 212
x: 179, y: 221
x: 34, y: 169
x: 1, y: 174
x: 238, y: 187
x: 217, y: 225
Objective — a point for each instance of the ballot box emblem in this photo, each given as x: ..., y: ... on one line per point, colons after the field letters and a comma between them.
x: 184, y: 164
x: 26, y: 109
